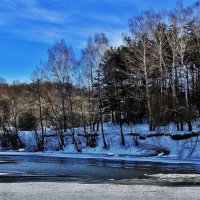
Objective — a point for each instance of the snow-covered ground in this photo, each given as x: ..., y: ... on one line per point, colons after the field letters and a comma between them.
x: 180, y: 148
x: 62, y: 191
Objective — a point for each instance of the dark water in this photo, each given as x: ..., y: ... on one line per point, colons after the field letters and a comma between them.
x: 38, y: 168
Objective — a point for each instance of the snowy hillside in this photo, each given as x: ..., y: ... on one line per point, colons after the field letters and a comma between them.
x: 138, y: 141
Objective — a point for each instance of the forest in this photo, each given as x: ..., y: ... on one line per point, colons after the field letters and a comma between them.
x: 153, y: 78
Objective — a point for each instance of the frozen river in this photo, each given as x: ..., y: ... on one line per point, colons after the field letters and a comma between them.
x: 34, y: 168
x: 94, y: 177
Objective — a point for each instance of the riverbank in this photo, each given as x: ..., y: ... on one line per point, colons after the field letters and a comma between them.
x: 76, y: 191
x: 138, y: 141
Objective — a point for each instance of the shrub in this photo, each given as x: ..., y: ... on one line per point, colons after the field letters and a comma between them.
x: 27, y: 122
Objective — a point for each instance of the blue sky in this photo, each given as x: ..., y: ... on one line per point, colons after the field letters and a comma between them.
x: 29, y: 27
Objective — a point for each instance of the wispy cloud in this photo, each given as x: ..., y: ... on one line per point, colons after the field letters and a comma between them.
x: 42, y: 21
x: 29, y: 10
x: 48, y: 20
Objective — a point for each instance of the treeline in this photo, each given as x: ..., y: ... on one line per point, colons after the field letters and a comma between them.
x: 153, y: 77
x: 60, y: 96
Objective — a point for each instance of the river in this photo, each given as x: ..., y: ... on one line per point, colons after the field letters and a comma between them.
x: 30, y: 168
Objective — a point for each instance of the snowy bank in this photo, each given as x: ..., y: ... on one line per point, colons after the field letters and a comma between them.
x: 137, y: 142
